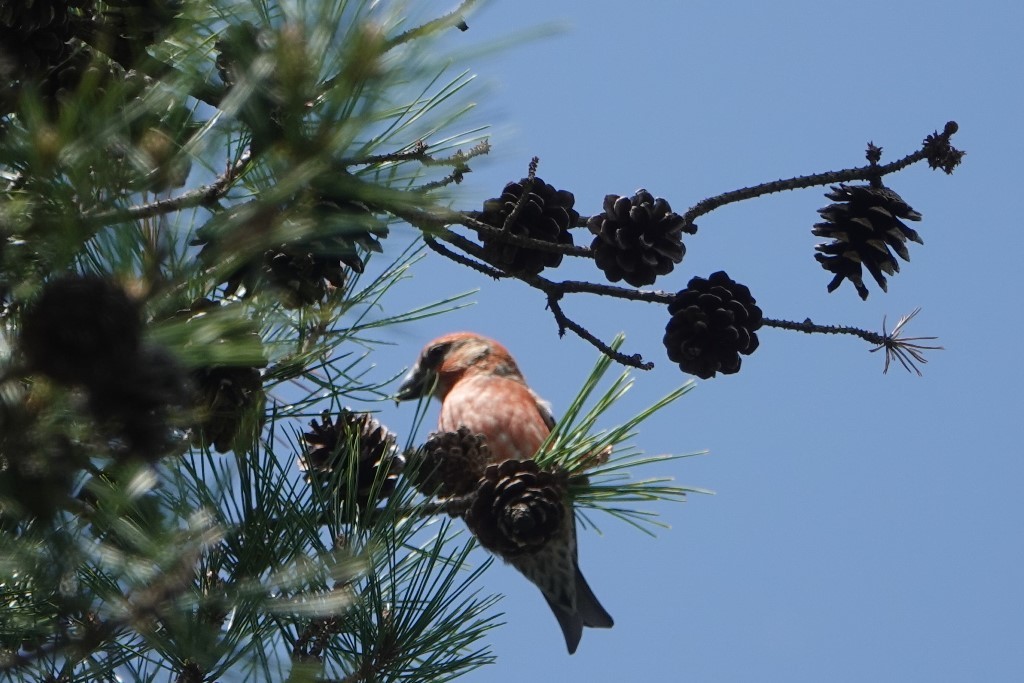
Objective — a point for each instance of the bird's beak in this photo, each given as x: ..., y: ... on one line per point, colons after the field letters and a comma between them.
x: 417, y: 384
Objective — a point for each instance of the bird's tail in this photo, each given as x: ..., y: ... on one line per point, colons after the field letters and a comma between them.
x: 589, y: 609
x: 588, y: 612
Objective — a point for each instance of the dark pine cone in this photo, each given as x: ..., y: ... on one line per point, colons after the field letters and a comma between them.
x: 307, y: 271
x: 83, y: 329
x: 637, y: 238
x: 518, y: 508
x: 546, y: 214
x: 301, y: 279
x: 137, y: 24
x: 450, y: 463
x: 238, y: 48
x: 713, y: 321
x: 34, y: 35
x: 304, y: 271
x: 136, y: 405
x: 226, y: 394
x: 864, y: 224
x: 354, y: 443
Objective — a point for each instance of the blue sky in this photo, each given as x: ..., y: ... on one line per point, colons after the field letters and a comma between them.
x: 864, y: 526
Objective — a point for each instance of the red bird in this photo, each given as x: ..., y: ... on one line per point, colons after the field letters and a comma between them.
x: 480, y: 387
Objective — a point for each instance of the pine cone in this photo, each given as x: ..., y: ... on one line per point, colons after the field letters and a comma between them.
x: 450, y: 464
x: 713, y: 321
x: 226, y: 395
x: 864, y: 224
x: 239, y: 46
x: 82, y: 329
x: 37, y: 46
x: 304, y: 271
x: 546, y: 214
x: 300, y: 278
x: 37, y: 474
x: 518, y: 508
x: 637, y: 238
x: 34, y: 35
x: 137, y: 24
x: 135, y: 406
x: 348, y: 227
x: 330, y: 445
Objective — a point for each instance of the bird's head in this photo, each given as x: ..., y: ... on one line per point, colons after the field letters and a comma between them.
x: 448, y: 359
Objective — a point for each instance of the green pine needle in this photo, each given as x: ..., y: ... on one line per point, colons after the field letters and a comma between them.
x: 598, y: 463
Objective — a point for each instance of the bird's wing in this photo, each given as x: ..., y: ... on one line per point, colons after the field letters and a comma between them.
x: 544, y: 408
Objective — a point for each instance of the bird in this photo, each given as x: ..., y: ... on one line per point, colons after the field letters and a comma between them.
x: 481, y: 388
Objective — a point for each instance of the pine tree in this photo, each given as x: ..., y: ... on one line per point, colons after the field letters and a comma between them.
x: 192, y: 193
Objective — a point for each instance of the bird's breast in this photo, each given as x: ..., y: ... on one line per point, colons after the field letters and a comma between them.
x: 501, y: 409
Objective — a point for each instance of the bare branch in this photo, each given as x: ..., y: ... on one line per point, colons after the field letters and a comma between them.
x: 809, y: 327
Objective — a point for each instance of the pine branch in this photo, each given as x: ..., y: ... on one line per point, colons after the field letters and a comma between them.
x: 454, y: 19
x: 126, y: 54
x: 871, y: 172
x: 202, y: 196
x: 435, y: 224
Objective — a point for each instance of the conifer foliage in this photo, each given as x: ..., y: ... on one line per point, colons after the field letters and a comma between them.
x: 193, y: 485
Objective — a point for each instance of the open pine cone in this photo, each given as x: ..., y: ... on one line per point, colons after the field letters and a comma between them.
x: 864, y: 223
x: 637, y: 238
x: 518, y: 508
x: 450, y: 464
x: 225, y: 396
x: 330, y: 446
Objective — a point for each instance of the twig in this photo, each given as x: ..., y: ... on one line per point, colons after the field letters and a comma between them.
x: 197, y: 197
x: 469, y: 219
x: 463, y: 260
x: 455, y: 176
x: 433, y: 226
x: 582, y: 287
x: 454, y: 19
x: 434, y: 223
x: 906, y: 350
x: 126, y: 54
x: 564, y: 322
x: 417, y: 153
x: 809, y: 327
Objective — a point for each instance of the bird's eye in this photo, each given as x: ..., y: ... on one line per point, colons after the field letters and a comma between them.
x: 432, y: 357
